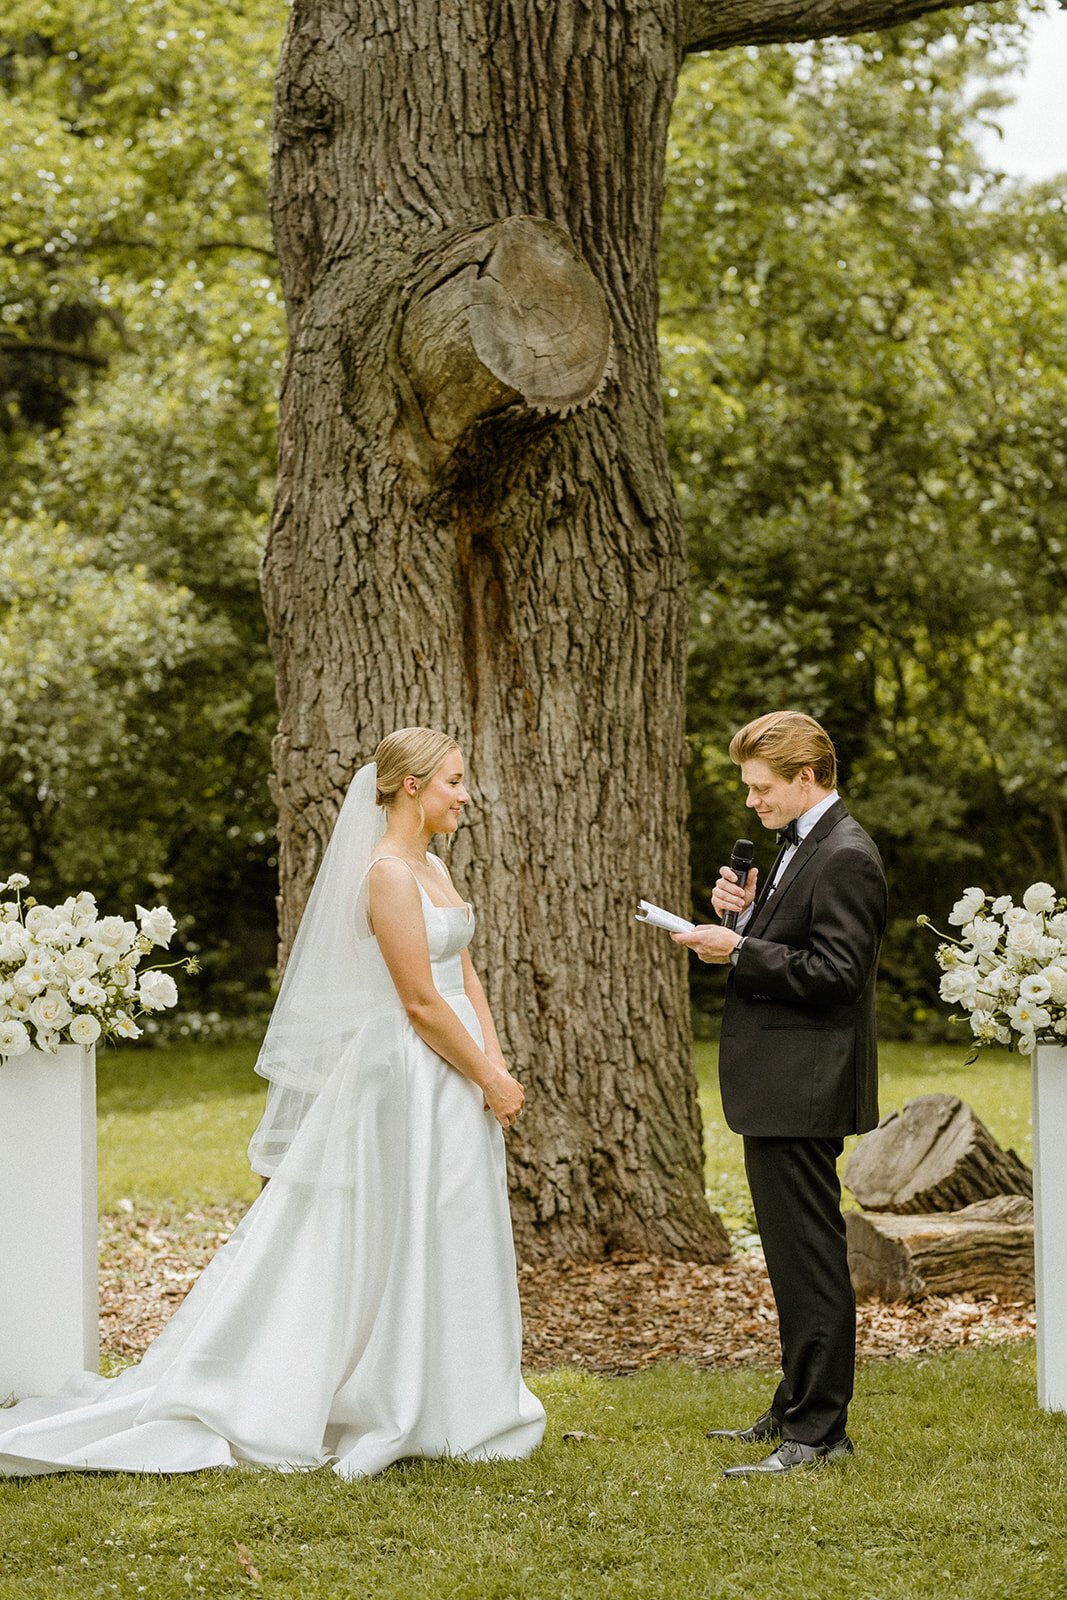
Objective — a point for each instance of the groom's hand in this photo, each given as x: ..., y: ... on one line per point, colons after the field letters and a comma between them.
x: 711, y: 943
x: 729, y: 895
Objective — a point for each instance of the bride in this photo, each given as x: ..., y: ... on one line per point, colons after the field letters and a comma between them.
x: 366, y: 1308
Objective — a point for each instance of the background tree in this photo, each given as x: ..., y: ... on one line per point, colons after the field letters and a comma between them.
x: 863, y: 401
x: 467, y: 562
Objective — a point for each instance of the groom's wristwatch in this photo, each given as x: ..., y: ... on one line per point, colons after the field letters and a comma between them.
x: 737, y: 949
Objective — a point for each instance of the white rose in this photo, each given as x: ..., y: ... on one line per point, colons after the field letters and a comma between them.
x: 1057, y: 926
x: 958, y: 987
x: 51, y: 1010
x: 1018, y: 916
x: 967, y: 908
x: 1040, y: 897
x: 40, y: 918
x: 1023, y: 939
x: 157, y: 924
x: 1001, y: 904
x: 157, y: 991
x: 983, y: 935
x: 14, y: 1038
x: 85, y: 1030
x: 84, y: 992
x: 1035, y: 990
x: 78, y: 963
x: 112, y: 934
x: 14, y: 942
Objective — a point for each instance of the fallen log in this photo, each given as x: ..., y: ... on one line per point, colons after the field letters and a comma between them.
x: 934, y: 1155
x: 986, y: 1249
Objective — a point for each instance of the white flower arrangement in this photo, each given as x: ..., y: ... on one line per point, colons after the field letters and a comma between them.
x: 1008, y: 968
x: 68, y: 975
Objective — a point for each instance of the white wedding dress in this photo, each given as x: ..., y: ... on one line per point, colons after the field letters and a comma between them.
x: 366, y: 1316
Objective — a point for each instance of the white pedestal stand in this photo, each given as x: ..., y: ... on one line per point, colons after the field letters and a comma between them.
x: 49, y: 1299
x: 1049, y: 1078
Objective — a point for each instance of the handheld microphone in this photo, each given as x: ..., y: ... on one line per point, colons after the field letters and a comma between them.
x: 741, y: 858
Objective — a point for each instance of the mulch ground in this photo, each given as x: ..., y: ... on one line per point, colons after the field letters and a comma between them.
x: 610, y: 1316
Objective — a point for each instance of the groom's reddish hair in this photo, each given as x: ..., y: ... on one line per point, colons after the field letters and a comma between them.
x: 788, y: 741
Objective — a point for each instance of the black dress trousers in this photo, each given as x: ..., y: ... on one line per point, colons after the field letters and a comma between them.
x: 797, y: 1200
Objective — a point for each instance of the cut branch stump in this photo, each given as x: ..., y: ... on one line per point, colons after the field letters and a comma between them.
x: 985, y: 1249
x: 934, y: 1155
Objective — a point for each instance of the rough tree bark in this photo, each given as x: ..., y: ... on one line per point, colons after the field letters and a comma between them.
x: 466, y: 208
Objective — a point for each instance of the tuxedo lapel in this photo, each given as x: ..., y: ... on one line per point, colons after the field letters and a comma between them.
x: 801, y: 856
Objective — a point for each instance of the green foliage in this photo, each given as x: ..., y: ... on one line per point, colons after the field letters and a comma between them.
x: 136, y: 247
x: 865, y: 363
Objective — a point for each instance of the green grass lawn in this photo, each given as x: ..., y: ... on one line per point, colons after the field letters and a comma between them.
x: 957, y: 1490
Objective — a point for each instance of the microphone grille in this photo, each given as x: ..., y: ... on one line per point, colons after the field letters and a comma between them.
x: 744, y: 850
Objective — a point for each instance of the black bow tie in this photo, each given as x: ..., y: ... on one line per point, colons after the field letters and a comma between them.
x: 787, y: 835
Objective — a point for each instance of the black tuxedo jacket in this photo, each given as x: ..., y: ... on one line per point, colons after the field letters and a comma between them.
x: 798, y: 1055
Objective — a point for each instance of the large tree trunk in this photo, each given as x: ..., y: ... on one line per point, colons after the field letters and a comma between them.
x: 446, y: 550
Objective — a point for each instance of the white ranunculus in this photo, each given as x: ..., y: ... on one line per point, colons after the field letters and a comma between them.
x: 967, y: 907
x: 51, y: 1010
x: 1056, y: 978
x: 1001, y: 904
x: 157, y: 990
x: 1036, y: 989
x: 14, y: 1038
x: 1040, y: 897
x: 982, y: 934
x: 78, y: 963
x: 85, y: 1030
x: 157, y: 924
x: 112, y: 934
x: 84, y: 992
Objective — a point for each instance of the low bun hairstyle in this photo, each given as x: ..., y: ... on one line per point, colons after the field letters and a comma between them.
x: 409, y: 753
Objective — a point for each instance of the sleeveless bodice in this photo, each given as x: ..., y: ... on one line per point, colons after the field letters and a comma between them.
x: 449, y: 930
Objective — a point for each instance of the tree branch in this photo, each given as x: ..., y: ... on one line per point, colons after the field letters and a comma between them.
x: 52, y: 347
x: 720, y: 24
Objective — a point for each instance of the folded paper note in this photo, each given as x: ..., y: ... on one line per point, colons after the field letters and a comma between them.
x: 647, y: 912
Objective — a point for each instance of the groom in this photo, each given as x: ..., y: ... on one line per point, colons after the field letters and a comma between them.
x: 798, y: 1064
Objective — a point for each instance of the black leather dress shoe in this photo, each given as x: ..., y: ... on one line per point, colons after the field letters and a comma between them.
x: 791, y: 1454
x: 765, y: 1427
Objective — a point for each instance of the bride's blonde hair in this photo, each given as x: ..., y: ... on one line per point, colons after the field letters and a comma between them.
x: 409, y: 753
